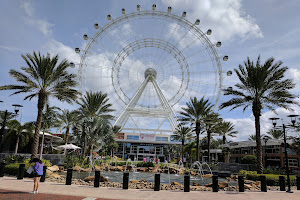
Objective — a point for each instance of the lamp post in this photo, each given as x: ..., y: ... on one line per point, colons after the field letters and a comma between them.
x: 284, y: 126
x: 3, y: 127
x: 17, y: 109
x: 266, y: 138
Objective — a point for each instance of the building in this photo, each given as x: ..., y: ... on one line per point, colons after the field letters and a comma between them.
x: 138, y: 146
x: 273, y: 152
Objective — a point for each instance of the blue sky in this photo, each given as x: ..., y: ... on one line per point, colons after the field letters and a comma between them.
x: 246, y: 28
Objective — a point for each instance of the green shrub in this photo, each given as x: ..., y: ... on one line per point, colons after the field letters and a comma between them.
x: 249, y: 159
x: 145, y: 164
x: 14, y: 159
x: 271, y: 179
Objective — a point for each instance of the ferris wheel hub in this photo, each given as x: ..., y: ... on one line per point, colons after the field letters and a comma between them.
x: 150, y: 72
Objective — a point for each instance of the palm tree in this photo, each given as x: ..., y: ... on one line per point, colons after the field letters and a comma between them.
x: 275, y: 134
x: 182, y: 133
x: 226, y: 129
x: 252, y: 137
x: 67, y: 119
x: 95, y: 104
x: 49, y: 120
x: 19, y: 131
x: 43, y: 78
x: 190, y: 148
x: 261, y: 87
x: 194, y: 114
x: 79, y: 130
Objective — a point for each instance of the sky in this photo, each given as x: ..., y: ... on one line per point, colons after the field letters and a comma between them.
x: 269, y: 28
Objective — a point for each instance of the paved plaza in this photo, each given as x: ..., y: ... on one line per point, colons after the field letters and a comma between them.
x: 11, y: 188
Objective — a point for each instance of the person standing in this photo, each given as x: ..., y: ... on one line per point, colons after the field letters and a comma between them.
x: 37, y: 173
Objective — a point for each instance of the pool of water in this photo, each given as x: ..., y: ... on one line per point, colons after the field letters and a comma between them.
x: 164, y: 178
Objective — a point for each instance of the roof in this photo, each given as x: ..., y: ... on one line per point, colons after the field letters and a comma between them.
x: 252, y: 143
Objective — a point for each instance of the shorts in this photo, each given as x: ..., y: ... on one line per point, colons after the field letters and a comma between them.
x: 36, y: 175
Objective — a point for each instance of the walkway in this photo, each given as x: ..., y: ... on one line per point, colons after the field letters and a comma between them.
x: 11, y: 188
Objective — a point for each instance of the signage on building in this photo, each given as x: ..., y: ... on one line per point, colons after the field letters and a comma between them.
x: 150, y: 137
x: 120, y: 136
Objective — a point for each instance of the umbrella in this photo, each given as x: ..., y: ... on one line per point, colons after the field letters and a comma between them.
x: 68, y: 146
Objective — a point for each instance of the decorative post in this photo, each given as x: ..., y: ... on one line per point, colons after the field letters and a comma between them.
x: 43, y: 177
x: 215, y: 185
x: 21, y: 171
x: 241, y: 184
x: 157, y: 182
x: 97, y: 179
x: 263, y: 184
x: 186, y: 183
x: 69, y: 176
x: 282, y: 183
x: 125, y: 180
x: 2, y: 169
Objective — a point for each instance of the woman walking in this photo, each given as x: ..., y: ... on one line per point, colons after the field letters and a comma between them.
x: 37, y: 173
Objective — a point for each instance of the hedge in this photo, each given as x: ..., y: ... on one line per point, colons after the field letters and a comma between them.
x: 272, y: 179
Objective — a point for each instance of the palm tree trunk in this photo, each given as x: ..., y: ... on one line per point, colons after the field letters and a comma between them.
x: 258, y: 145
x: 197, y: 138
x: 208, y: 144
x: 182, y: 147
x: 66, y: 139
x: 42, y: 145
x: 40, y: 106
x: 224, y: 139
x: 91, y: 151
x: 17, y: 144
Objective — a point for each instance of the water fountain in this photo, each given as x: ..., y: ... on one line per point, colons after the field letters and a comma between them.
x: 200, y: 171
x: 167, y: 165
x: 132, y: 168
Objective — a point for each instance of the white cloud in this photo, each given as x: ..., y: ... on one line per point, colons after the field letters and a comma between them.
x: 42, y: 25
x: 226, y: 18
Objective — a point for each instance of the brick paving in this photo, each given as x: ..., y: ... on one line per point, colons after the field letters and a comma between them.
x: 18, y: 195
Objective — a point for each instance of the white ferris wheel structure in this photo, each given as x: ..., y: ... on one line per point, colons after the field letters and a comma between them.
x: 150, y: 63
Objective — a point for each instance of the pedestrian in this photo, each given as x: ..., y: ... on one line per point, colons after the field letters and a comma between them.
x: 37, y: 173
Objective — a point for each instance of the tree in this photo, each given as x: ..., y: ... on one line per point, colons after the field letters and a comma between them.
x: 194, y: 113
x: 261, y: 87
x: 67, y: 119
x: 252, y: 137
x: 94, y: 104
x: 190, y: 148
x: 43, y: 78
x: 182, y: 133
x: 79, y: 130
x: 275, y: 134
x: 19, y: 131
x: 226, y: 129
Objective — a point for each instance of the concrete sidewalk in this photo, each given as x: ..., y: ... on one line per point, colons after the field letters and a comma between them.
x: 25, y: 185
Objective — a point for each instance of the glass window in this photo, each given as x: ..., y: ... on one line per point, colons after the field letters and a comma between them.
x: 132, y: 137
x: 164, y: 139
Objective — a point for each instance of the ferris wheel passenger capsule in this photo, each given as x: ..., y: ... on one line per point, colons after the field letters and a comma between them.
x: 153, y: 6
x: 229, y: 88
x: 109, y: 17
x: 96, y: 25
x: 123, y: 11
x: 229, y: 73
x: 208, y: 32
x: 72, y: 64
x: 184, y: 14
x: 169, y: 9
x: 225, y: 58
x: 85, y: 37
x: 197, y: 22
x: 77, y: 50
x: 218, y: 44
x: 138, y: 7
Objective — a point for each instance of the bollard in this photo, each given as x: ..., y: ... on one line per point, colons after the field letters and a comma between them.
x: 2, y: 169
x: 241, y: 184
x: 157, y: 182
x: 298, y: 182
x: 43, y: 177
x: 187, y: 183
x: 215, y: 185
x: 97, y: 179
x: 69, y: 176
x: 282, y: 183
x: 263, y: 184
x: 21, y: 171
x: 125, y: 180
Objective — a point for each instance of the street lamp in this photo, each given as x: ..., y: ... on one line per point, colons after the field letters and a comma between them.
x: 265, y: 138
x: 293, y: 120
x: 3, y: 127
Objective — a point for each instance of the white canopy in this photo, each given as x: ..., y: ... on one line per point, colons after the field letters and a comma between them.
x: 68, y: 146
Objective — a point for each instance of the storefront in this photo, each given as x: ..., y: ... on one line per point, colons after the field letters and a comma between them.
x: 139, y: 146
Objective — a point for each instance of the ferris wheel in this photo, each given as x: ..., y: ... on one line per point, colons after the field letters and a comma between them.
x: 150, y: 63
